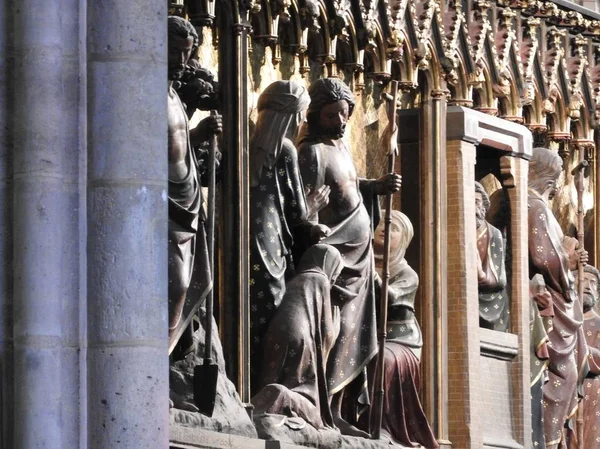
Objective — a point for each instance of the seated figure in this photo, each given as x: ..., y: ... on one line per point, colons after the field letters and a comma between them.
x: 298, y: 342
x: 404, y: 420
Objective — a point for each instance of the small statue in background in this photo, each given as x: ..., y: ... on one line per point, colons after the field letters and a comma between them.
x: 591, y: 386
x: 278, y: 206
x: 491, y: 268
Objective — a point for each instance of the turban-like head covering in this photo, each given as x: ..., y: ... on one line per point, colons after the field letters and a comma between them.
x: 279, y: 110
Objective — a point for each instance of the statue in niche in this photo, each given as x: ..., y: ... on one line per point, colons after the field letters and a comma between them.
x: 278, y: 206
x: 325, y: 161
x: 540, y: 308
x: 186, y: 236
x: 591, y: 386
x: 491, y: 268
x: 554, y: 256
x: 298, y: 342
x: 404, y: 421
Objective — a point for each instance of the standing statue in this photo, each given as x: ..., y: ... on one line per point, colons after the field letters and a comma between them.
x: 540, y: 308
x: 186, y: 237
x: 404, y: 421
x: 554, y: 257
x: 300, y: 337
x: 591, y: 387
x: 278, y: 207
x: 325, y: 161
x: 491, y: 268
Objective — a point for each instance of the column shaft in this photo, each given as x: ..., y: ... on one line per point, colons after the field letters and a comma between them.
x: 127, y: 225
x: 39, y: 215
x: 6, y: 254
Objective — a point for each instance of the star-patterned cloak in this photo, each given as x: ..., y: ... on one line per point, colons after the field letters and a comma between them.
x: 493, y: 300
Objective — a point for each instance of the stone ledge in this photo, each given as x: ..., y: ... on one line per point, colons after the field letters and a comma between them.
x: 500, y: 443
x: 498, y: 345
x: 195, y: 438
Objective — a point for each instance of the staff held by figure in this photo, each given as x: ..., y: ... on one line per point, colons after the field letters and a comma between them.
x: 377, y: 410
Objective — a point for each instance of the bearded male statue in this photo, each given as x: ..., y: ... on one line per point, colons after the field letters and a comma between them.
x: 187, y: 249
x: 324, y: 159
x: 554, y: 256
x: 491, y: 269
x: 591, y: 385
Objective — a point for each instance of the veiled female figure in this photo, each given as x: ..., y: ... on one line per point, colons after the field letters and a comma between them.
x: 278, y: 207
x: 298, y: 342
x: 404, y: 420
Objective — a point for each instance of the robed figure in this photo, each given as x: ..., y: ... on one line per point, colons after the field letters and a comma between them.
x: 298, y: 342
x: 551, y: 255
x: 278, y: 207
x: 591, y: 385
x: 491, y: 268
x: 403, y: 420
x: 187, y: 250
x: 325, y: 161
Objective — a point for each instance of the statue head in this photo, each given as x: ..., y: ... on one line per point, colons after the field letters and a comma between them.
x: 401, y: 234
x: 183, y: 41
x: 331, y: 105
x: 323, y: 257
x: 281, y: 108
x: 591, y: 286
x: 482, y: 204
x: 545, y: 168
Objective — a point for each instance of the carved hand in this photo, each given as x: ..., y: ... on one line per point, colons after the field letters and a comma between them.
x: 575, y: 253
x: 389, y: 183
x: 213, y: 124
x: 318, y: 232
x: 480, y: 272
x: 317, y: 199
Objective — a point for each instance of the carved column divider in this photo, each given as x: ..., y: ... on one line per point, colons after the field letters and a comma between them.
x: 463, y: 307
x: 434, y: 282
x: 233, y: 256
x: 513, y: 172
x: 127, y: 363
x: 6, y: 225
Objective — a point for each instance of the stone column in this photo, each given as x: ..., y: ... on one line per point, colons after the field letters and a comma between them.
x: 127, y: 370
x: 6, y: 287
x: 463, y: 302
x: 514, y: 179
x: 39, y: 214
x: 433, y: 270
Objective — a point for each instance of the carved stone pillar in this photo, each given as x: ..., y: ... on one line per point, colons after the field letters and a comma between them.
x: 40, y: 215
x: 6, y: 252
x: 487, y: 369
x: 434, y: 262
x: 127, y: 370
x: 463, y: 306
x: 234, y: 237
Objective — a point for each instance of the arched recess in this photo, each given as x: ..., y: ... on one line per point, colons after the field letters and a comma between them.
x: 377, y: 65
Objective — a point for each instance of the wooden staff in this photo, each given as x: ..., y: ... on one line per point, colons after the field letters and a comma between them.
x: 206, y: 375
x: 377, y: 409
x: 579, y: 172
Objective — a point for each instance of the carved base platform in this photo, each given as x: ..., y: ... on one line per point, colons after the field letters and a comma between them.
x: 276, y: 427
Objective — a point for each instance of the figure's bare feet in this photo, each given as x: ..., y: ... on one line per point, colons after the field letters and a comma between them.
x: 176, y: 401
x: 348, y: 429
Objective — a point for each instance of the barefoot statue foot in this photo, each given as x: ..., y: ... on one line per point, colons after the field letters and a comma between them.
x: 348, y: 429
